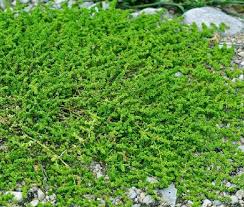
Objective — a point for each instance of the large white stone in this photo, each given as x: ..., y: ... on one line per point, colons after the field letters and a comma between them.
x: 210, y: 15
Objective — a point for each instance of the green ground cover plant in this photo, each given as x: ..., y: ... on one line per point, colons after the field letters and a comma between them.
x: 142, y: 96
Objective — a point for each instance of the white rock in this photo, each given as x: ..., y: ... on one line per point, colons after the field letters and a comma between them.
x: 34, y: 203
x: 151, y: 180
x: 206, y: 203
x: 178, y: 74
x: 59, y: 1
x: 87, y: 5
x: 241, y: 148
x: 210, y: 15
x: 242, y: 140
x: 40, y: 194
x: 234, y: 199
x: 105, y: 5
x: 241, y: 54
x: 217, y: 203
x: 18, y: 196
x: 136, y: 205
x: 2, y: 4
x: 241, y: 77
x: 28, y: 8
x: 147, y: 200
x: 24, y: 1
x: 168, y: 195
x: 148, y: 11
x: 132, y: 193
x: 71, y: 3
x: 97, y: 169
x: 52, y: 197
x: 240, y: 194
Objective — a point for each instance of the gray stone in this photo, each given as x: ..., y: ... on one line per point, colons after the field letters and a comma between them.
x: 234, y: 199
x: 52, y: 197
x: 217, y: 203
x: 40, y: 194
x: 105, y: 5
x: 240, y: 194
x: 148, y: 11
x: 241, y: 53
x: 97, y: 169
x: 206, y: 203
x: 147, y: 200
x: 241, y: 148
x: 17, y: 196
x: 241, y: 77
x: 168, y: 195
x: 24, y: 1
x: 3, y: 4
x: 132, y: 193
x: 87, y: 5
x: 178, y: 74
x: 136, y: 205
x: 242, y: 139
x: 71, y: 3
x: 116, y: 201
x: 34, y: 203
x: 210, y: 15
x: 59, y: 1
x: 151, y: 180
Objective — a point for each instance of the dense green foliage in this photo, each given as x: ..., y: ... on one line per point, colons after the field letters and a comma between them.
x: 78, y: 86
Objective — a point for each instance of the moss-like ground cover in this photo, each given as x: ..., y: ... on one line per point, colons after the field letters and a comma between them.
x: 143, y: 97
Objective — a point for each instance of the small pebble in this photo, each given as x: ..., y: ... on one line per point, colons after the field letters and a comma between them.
x: 217, y: 203
x: 136, y: 205
x: 241, y: 77
x: 151, y: 180
x: 132, y: 193
x: 178, y: 74
x: 34, y: 203
x: 242, y: 140
x: 241, y: 54
x: 206, y: 203
x: 147, y: 200
x: 241, y: 148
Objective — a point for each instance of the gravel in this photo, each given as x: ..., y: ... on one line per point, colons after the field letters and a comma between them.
x: 237, y: 41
